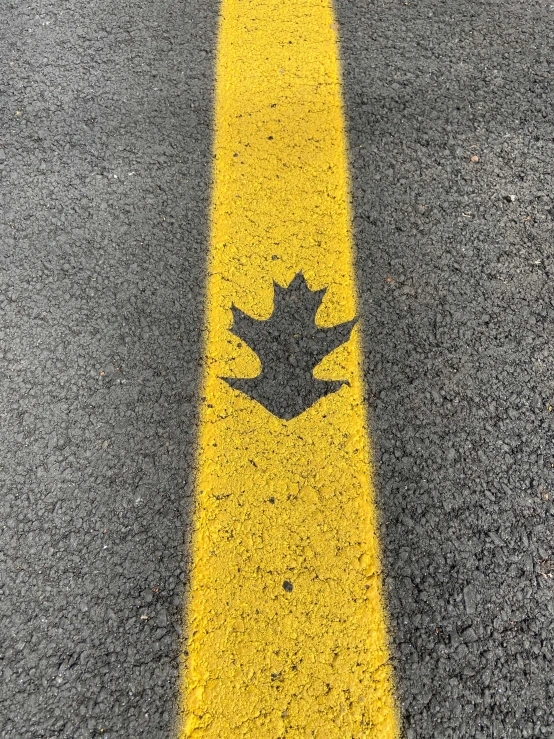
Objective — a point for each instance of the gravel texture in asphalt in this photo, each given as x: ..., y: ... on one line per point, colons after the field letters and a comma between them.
x: 450, y: 114
x: 104, y: 179
x: 105, y: 167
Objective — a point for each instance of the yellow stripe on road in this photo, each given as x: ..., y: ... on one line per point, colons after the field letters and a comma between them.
x: 285, y: 620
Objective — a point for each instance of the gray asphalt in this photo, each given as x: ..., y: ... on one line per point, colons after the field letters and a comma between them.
x: 104, y: 179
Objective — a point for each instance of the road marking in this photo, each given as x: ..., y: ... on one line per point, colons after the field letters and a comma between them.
x: 285, y: 621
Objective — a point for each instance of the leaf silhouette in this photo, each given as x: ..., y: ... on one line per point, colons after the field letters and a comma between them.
x: 289, y: 345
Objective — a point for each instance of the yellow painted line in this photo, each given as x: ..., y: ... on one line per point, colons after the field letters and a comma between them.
x: 285, y: 619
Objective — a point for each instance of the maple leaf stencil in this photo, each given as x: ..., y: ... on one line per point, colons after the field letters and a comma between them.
x: 289, y: 345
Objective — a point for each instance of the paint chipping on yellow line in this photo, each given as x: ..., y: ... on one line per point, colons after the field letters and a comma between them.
x: 285, y: 620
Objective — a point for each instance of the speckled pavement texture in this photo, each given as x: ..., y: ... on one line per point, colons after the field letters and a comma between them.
x: 106, y: 122
x: 105, y: 160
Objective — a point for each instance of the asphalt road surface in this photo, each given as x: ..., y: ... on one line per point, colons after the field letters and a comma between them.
x: 105, y: 156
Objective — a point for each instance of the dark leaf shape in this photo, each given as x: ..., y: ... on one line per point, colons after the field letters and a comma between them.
x: 289, y: 345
